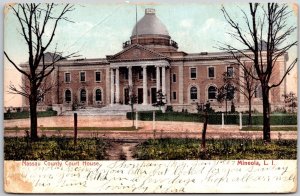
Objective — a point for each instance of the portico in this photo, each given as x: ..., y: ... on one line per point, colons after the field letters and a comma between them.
x: 131, y: 72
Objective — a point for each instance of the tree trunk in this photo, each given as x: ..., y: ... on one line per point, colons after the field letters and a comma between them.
x: 266, y: 114
x: 226, y: 111
x: 250, y: 113
x: 132, y: 112
x: 33, y: 119
x: 203, y: 143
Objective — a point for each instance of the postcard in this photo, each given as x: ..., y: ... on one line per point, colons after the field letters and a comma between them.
x: 139, y: 97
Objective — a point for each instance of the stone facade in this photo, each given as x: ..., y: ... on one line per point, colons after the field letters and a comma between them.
x: 148, y: 63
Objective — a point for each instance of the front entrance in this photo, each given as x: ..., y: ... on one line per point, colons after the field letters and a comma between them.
x: 140, y: 95
x: 153, y: 95
x: 126, y: 96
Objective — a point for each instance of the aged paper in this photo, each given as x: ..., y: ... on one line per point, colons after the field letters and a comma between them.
x: 232, y: 176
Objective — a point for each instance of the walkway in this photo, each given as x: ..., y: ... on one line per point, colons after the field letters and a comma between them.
x: 164, y: 129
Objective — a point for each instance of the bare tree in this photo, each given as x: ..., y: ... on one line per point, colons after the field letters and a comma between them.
x: 246, y: 85
x: 35, y: 20
x: 226, y: 91
x: 266, y: 34
x: 132, y: 101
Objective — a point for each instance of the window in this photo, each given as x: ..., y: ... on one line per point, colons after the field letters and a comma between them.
x: 174, y: 78
x: 258, y: 91
x: 97, y: 76
x: 193, y: 73
x: 83, y: 95
x: 153, y: 74
x: 82, y: 76
x: 68, y: 95
x: 67, y: 77
x: 193, y: 92
x: 211, y: 72
x: 230, y: 72
x: 212, y: 92
x: 98, y: 95
x: 174, y: 95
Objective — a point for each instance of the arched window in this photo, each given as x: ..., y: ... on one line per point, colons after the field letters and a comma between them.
x: 68, y: 95
x: 98, y: 95
x: 212, y: 92
x: 258, y: 91
x: 193, y: 92
x: 83, y: 95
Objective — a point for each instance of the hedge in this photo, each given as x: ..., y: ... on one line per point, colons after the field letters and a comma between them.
x: 22, y: 115
x: 215, y: 118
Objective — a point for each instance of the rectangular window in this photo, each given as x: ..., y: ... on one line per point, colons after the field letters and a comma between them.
x: 174, y: 95
x: 174, y: 78
x: 97, y: 76
x: 193, y: 73
x: 211, y: 72
x: 230, y: 72
x: 82, y: 76
x: 67, y: 77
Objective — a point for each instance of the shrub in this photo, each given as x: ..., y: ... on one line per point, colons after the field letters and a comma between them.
x: 25, y: 114
x: 169, y: 108
x: 215, y: 118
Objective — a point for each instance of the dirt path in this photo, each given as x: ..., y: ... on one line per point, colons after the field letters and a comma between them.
x: 121, y: 150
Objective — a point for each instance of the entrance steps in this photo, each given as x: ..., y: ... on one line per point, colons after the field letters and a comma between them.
x: 110, y: 110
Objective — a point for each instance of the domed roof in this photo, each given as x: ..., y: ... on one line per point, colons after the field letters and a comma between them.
x: 150, y: 25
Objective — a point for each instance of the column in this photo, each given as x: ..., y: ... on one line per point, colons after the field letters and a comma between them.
x: 117, y: 85
x: 130, y: 76
x: 130, y: 89
x: 180, y: 83
x: 157, y: 78
x: 107, y: 85
x: 145, y: 85
x: 112, y: 89
x: 163, y: 82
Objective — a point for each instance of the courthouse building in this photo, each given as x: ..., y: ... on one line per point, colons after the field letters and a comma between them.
x: 151, y: 61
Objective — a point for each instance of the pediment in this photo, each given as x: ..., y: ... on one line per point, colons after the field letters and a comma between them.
x: 136, y: 52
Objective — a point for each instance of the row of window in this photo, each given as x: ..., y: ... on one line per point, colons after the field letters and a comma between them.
x: 212, y: 92
x: 210, y: 74
x: 83, y: 95
x: 193, y: 74
x: 82, y: 76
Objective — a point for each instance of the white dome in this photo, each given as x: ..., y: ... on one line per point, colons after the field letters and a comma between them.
x: 150, y: 25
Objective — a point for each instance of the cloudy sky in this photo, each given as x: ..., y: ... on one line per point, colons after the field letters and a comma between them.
x: 100, y: 29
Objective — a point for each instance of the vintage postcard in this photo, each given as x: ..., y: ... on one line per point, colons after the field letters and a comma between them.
x: 150, y: 97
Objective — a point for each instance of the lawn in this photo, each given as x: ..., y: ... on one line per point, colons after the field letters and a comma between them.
x: 54, y: 148
x: 217, y: 149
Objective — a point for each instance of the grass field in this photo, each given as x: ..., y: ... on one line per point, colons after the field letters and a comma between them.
x: 54, y: 148
x: 217, y: 149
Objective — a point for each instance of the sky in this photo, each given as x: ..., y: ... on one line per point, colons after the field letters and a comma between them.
x: 100, y: 29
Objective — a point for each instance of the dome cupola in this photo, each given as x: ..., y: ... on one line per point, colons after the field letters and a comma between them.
x: 149, y: 25
x: 151, y: 32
